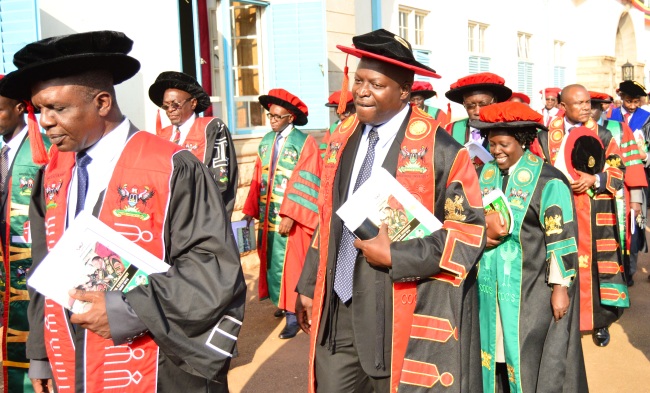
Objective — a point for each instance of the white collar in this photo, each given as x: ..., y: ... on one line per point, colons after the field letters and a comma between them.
x: 15, y: 142
x: 104, y: 150
x: 185, y: 127
x: 389, y: 129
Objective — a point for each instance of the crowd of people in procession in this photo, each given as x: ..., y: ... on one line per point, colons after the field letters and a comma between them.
x: 495, y: 300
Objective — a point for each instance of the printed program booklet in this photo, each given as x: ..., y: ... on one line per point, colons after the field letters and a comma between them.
x: 477, y: 153
x: 383, y: 199
x: 92, y: 256
x: 244, y: 235
x: 496, y: 200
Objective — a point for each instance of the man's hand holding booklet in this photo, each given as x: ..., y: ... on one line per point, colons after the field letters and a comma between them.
x: 382, y: 199
x: 498, y: 216
x: 91, y: 256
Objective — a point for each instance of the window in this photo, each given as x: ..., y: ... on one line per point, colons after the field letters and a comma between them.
x: 525, y: 64
x: 239, y: 58
x: 247, y: 64
x: 412, y: 25
x: 523, y: 46
x: 476, y: 37
x: 404, y: 24
x: 18, y: 27
x: 558, y: 64
x: 478, y: 61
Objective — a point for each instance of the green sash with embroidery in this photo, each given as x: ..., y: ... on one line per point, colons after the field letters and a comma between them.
x: 615, y: 128
x: 276, y: 244
x: 500, y: 268
x: 15, y: 264
x: 459, y: 131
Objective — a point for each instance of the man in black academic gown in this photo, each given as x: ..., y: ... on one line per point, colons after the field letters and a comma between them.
x: 193, y: 312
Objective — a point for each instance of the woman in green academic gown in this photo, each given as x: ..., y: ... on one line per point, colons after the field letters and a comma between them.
x: 528, y: 304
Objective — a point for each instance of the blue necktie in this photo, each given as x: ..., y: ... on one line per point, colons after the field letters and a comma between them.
x: 347, y: 255
x: 83, y: 160
x: 276, y: 150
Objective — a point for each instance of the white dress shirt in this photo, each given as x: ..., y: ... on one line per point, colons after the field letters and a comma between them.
x: 104, y: 154
x: 14, y: 145
x: 387, y: 133
x: 185, y: 129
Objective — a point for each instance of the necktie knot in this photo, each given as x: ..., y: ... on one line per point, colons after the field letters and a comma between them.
x: 373, y: 138
x: 83, y: 160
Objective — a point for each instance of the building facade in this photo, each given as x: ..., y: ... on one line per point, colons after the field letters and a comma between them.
x: 241, y: 49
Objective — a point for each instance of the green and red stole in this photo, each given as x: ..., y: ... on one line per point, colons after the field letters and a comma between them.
x: 596, y: 241
x: 15, y: 265
x: 145, y: 164
x: 273, y: 190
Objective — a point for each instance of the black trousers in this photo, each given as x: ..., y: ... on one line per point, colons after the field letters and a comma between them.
x: 339, y: 371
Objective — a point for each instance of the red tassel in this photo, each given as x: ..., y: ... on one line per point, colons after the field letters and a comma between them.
x: 158, y: 123
x: 343, y: 99
x: 448, y: 112
x: 39, y: 153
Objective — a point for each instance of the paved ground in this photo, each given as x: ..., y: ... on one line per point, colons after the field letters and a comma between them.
x: 268, y: 364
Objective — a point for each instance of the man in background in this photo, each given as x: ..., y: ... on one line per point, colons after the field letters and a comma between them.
x: 208, y: 138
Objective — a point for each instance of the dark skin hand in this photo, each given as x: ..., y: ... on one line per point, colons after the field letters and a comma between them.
x: 585, y: 182
x: 95, y: 317
x: 377, y: 249
x: 303, y: 312
x: 42, y: 385
x: 285, y: 226
x: 559, y: 301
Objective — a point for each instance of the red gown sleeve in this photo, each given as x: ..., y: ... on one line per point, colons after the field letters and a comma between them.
x: 252, y: 204
x: 301, y: 195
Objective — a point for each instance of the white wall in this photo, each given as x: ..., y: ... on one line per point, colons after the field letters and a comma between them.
x: 587, y: 27
x: 151, y: 24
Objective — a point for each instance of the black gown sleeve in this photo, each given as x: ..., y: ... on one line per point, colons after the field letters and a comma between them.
x: 195, y: 310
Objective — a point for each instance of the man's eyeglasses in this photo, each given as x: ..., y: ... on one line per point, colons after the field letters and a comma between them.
x: 271, y: 116
x: 174, y: 105
x: 470, y: 107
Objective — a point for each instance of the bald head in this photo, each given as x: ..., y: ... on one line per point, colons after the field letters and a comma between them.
x: 380, y: 90
x: 576, y: 103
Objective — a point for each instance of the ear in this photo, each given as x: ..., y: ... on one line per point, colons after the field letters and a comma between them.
x: 405, y: 91
x: 103, y: 102
x: 194, y: 103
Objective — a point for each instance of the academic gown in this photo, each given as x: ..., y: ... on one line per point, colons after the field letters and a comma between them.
x: 603, y: 292
x: 290, y: 191
x: 413, y: 260
x: 541, y: 355
x: 181, y: 307
x: 219, y: 155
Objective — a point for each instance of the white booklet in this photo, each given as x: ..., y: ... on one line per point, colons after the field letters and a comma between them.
x: 383, y: 199
x: 92, y: 256
x: 477, y: 153
x: 496, y: 200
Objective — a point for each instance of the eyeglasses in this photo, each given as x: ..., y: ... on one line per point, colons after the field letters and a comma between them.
x: 271, y: 116
x: 174, y: 105
x: 551, y: 99
x: 470, y: 107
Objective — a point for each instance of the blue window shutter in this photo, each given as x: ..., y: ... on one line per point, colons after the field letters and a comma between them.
x: 485, y: 64
x: 424, y: 57
x: 473, y: 64
x: 300, y: 55
x: 525, y: 77
x: 18, y: 27
x: 558, y: 76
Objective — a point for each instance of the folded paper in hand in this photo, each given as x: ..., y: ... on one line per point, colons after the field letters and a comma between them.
x: 92, y: 256
x: 477, y: 153
x: 496, y: 201
x: 382, y: 199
